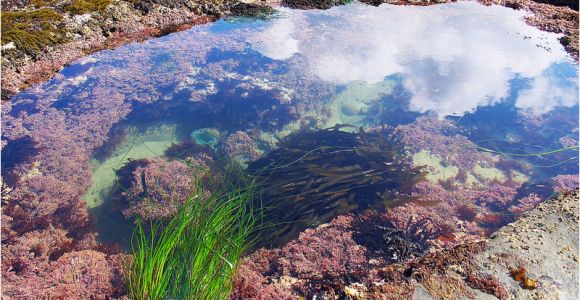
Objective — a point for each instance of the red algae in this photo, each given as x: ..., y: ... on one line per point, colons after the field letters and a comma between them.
x: 48, y: 240
x: 447, y: 218
x: 565, y: 183
x: 159, y: 186
x: 281, y: 278
x: 241, y: 145
x: 443, y: 138
x: 47, y: 263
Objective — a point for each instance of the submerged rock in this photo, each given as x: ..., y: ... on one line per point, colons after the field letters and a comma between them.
x: 156, y: 187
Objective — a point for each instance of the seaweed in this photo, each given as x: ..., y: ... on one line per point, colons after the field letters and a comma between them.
x: 17, y: 152
x: 317, y: 4
x: 195, y: 254
x: 79, y: 7
x: 32, y: 31
x: 253, y: 10
x: 314, y: 176
x: 384, y: 241
x: 188, y: 148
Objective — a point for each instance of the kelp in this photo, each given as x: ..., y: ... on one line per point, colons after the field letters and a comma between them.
x: 384, y: 241
x: 314, y: 176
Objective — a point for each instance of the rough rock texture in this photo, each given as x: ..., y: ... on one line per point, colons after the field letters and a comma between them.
x: 545, y: 243
x: 570, y: 3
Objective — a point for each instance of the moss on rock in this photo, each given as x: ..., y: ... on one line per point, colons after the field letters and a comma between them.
x: 79, y: 7
x: 31, y: 31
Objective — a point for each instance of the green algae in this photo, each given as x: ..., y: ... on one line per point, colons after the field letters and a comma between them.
x: 489, y: 173
x: 353, y: 105
x: 150, y: 143
x: 437, y: 169
x: 79, y: 7
x: 475, y: 178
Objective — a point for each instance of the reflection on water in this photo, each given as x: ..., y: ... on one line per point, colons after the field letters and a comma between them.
x: 453, y: 58
x: 504, y: 88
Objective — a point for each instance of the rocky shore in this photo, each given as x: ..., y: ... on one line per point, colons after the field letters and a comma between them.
x: 536, y: 257
x: 40, y: 37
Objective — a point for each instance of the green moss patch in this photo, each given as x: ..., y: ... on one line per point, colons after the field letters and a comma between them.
x: 79, y: 7
x: 31, y: 31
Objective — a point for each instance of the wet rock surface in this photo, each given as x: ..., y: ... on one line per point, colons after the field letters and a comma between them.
x: 545, y: 244
x: 313, y: 4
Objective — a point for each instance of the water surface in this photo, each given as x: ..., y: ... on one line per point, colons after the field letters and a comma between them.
x: 508, y: 87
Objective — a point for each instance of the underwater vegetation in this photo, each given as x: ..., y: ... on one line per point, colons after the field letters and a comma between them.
x: 328, y: 262
x: 241, y: 147
x: 388, y: 243
x: 195, y: 253
x: 49, y: 241
x: 315, y: 175
x: 155, y: 188
x: 380, y: 252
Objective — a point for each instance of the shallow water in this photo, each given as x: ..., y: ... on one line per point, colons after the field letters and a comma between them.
x: 507, y: 87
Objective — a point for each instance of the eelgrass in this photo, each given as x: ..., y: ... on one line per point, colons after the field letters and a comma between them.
x: 194, y: 255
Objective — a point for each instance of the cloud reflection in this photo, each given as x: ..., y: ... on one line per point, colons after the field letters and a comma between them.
x: 453, y: 57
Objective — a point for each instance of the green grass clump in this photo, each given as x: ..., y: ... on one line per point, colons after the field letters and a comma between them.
x: 31, y: 31
x: 194, y: 254
x: 79, y: 7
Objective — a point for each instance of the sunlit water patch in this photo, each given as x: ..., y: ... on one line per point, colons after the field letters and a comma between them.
x: 497, y: 100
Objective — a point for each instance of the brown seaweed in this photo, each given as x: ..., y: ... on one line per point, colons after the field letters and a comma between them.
x: 315, y: 175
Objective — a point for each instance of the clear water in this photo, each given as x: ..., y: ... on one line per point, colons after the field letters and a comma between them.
x: 480, y: 67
